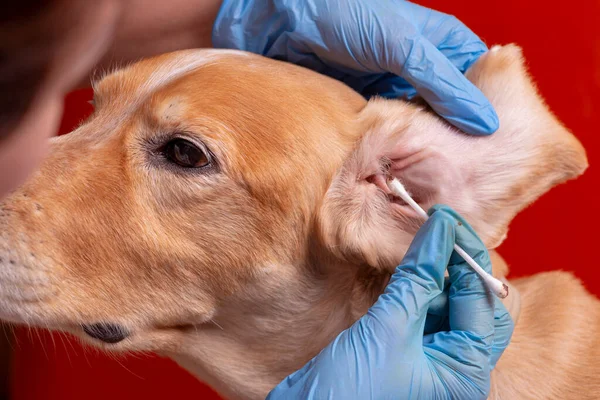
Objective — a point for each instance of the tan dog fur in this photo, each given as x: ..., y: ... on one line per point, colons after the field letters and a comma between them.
x: 242, y: 272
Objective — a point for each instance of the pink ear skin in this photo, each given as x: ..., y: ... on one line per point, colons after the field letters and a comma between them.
x: 488, y: 180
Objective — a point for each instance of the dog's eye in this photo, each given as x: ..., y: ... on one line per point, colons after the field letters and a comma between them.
x: 185, y: 154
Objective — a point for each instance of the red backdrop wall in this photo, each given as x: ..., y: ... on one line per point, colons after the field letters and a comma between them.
x: 561, y: 41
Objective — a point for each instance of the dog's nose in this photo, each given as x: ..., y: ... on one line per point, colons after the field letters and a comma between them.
x: 108, y: 333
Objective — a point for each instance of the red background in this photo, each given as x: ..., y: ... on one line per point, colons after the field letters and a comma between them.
x: 561, y: 42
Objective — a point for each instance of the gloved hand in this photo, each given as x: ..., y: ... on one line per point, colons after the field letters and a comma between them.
x: 385, y: 354
x: 390, y: 48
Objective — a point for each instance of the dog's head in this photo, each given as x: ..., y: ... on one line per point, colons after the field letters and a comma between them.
x: 198, y: 172
x: 203, y: 173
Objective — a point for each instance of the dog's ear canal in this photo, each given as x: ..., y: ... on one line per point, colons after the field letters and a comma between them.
x: 486, y: 179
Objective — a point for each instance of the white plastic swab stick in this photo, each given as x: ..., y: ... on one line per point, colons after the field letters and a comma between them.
x: 496, y: 286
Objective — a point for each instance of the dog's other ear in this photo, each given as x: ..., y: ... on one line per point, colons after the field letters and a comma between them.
x: 486, y: 179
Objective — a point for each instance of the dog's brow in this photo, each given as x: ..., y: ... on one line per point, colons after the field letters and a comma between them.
x: 179, y: 66
x: 171, y: 70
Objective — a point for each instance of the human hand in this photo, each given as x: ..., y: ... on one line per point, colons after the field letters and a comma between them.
x: 396, y: 350
x: 387, y: 48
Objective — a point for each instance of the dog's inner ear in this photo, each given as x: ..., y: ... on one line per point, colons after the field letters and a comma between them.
x: 486, y: 179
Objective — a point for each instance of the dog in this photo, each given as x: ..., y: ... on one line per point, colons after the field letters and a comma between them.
x: 223, y: 209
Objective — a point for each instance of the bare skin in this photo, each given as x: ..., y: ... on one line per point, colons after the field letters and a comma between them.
x: 58, y: 47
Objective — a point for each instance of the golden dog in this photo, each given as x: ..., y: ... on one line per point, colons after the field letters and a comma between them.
x: 223, y: 209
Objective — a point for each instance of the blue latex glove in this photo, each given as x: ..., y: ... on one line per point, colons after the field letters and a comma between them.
x: 390, y: 48
x: 386, y: 355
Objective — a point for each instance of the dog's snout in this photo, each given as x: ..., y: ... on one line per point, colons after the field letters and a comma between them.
x: 108, y: 333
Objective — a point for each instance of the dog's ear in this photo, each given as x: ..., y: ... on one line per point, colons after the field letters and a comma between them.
x: 486, y: 179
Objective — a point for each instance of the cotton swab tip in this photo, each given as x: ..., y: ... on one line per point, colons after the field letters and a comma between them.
x: 498, y: 287
x: 399, y: 190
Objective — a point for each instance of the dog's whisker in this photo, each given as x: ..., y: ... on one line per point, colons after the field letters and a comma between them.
x: 39, y: 337
x: 116, y: 359
x: 51, y: 333
x: 214, y: 322
x: 61, y: 337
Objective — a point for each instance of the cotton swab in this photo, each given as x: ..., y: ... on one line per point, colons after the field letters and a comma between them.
x: 496, y: 286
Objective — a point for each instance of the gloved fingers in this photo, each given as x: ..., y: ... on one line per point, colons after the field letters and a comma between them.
x: 444, y: 87
x: 399, y: 313
x: 503, y: 330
